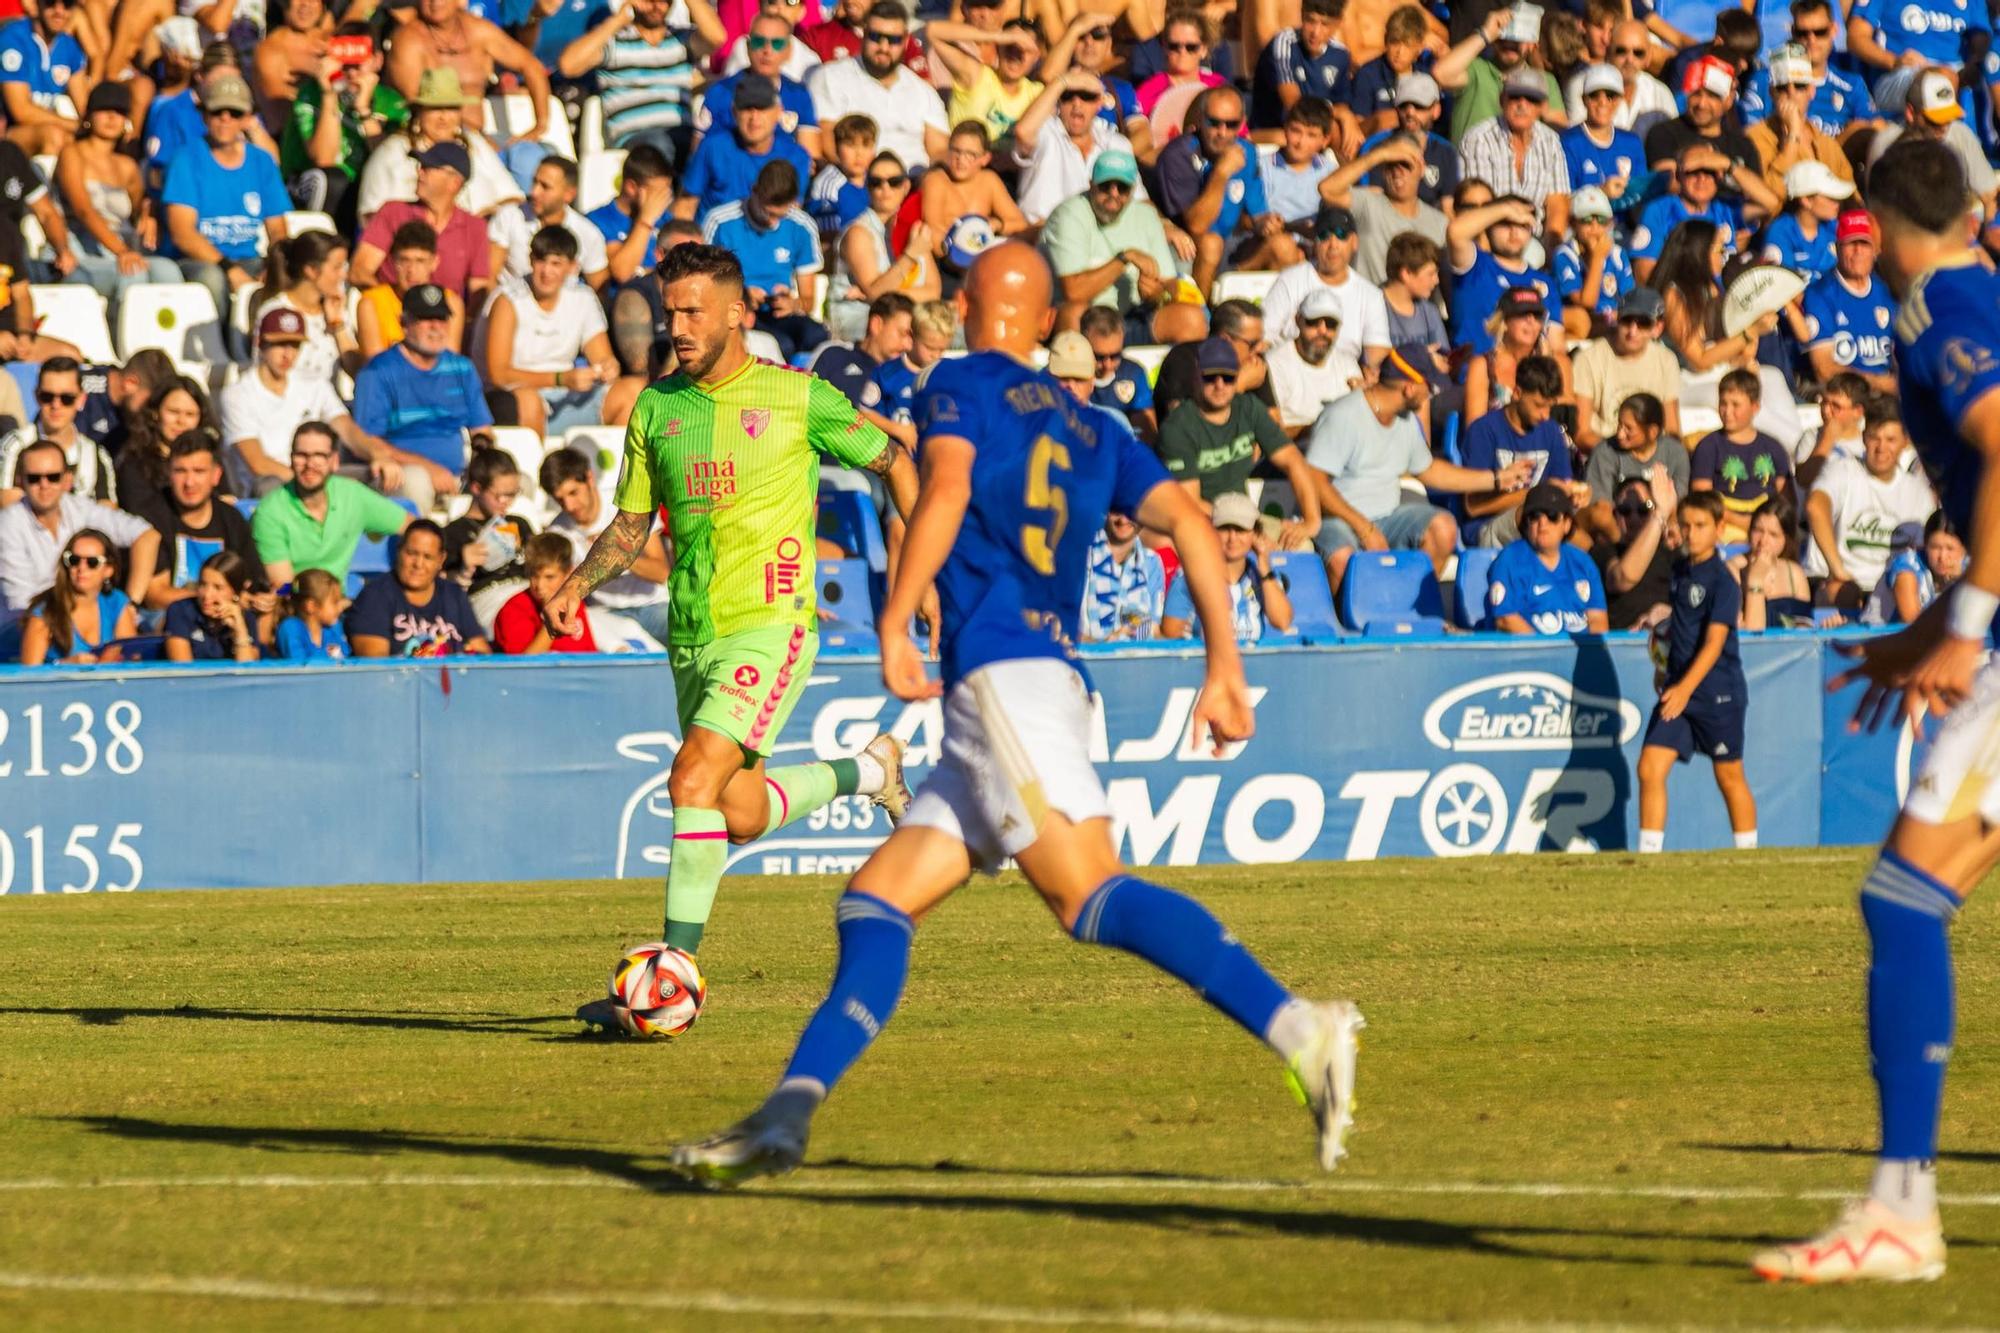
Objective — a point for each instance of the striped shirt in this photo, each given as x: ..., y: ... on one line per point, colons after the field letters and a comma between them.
x: 1488, y: 153
x: 1122, y: 601
x: 645, y: 86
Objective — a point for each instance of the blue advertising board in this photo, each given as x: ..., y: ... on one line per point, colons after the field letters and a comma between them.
x: 556, y: 767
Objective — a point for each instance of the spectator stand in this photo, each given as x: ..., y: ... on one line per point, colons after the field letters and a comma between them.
x: 181, y: 320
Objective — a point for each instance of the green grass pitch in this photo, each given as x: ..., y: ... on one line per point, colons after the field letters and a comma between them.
x: 1590, y: 1087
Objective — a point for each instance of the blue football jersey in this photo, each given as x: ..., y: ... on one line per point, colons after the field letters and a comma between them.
x: 1856, y: 326
x: 1047, y: 470
x: 1590, y: 164
x: 1785, y: 242
x: 1617, y: 279
x: 1947, y: 358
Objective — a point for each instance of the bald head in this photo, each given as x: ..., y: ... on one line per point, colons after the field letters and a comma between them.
x: 1007, y: 300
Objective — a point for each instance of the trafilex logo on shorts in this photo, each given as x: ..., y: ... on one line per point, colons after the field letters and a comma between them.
x: 1527, y: 710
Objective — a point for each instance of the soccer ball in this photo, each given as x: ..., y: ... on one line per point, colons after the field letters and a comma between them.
x: 657, y: 990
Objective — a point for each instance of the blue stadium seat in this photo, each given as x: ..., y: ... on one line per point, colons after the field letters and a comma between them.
x: 1468, y: 599
x: 844, y: 591
x: 850, y: 518
x: 1304, y: 574
x: 1730, y: 550
x: 375, y: 555
x: 1391, y: 592
x: 27, y: 374
x: 247, y: 508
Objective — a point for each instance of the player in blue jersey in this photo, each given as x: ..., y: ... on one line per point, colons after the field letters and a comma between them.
x: 1947, y: 837
x: 1016, y: 478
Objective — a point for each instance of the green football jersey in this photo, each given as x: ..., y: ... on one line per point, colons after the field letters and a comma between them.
x: 736, y: 467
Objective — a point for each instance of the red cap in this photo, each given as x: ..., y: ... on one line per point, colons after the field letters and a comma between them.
x: 1855, y: 224
x: 1709, y: 74
x: 281, y: 325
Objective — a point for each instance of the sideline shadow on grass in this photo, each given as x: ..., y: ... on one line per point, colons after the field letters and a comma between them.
x: 102, y: 1016
x: 1975, y: 1157
x: 1499, y: 1239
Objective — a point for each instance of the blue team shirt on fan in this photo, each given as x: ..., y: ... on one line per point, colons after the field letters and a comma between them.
x: 1012, y: 586
x: 1590, y: 164
x: 230, y: 203
x: 172, y: 123
x: 1838, y: 101
x: 1696, y: 18
x: 570, y: 21
x: 1552, y: 601
x: 721, y: 170
x: 1659, y: 218
x: 1441, y: 171
x: 1122, y: 102
x: 1492, y: 443
x: 1617, y: 280
x: 45, y: 67
x: 897, y: 379
x: 1373, y: 87
x: 795, y: 106
x: 1858, y: 327
x: 1183, y: 175
x: 1947, y: 359
x: 423, y: 411
x: 771, y: 257
x: 613, y: 222
x: 1934, y: 29
x: 1476, y: 295
x: 1126, y: 391
x: 295, y: 642
x: 1286, y: 60
x: 1785, y: 242
x: 1702, y: 595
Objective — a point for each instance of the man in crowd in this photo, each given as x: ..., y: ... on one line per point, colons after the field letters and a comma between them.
x: 551, y: 202
x: 887, y: 336
x: 1855, y: 507
x: 725, y: 167
x: 1127, y: 587
x: 1384, y: 210
x: 1057, y: 142
x: 768, y: 49
x: 1643, y: 101
x: 221, y: 193
x: 1598, y: 152
x: 421, y: 396
x: 59, y: 396
x: 1120, y: 383
x: 44, y: 77
x: 1540, y: 584
x: 464, y: 248
x: 1241, y: 325
x: 1695, y: 193
x: 262, y: 410
x: 1110, y: 249
x: 1516, y: 153
x: 1364, y: 318
x: 538, y: 333
x: 1636, y: 566
x: 1592, y: 269
x: 1483, y: 273
x: 1629, y: 359
x: 410, y: 611
x: 1848, y: 312
x: 35, y: 528
x: 1211, y: 443
x: 778, y: 246
x: 906, y: 110
x: 640, y: 593
x: 441, y: 35
x: 1930, y: 110
x: 631, y: 223
x: 1787, y: 135
x: 1306, y: 373
x: 1521, y: 430
x: 1474, y: 71
x: 646, y: 71
x: 194, y: 522
x: 1417, y: 110
x: 1710, y: 88
x: 1210, y: 185
x: 315, y: 520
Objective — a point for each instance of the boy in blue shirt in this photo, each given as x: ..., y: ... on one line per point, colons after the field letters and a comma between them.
x: 1523, y: 429
x: 1801, y: 237
x: 1703, y: 696
x: 1592, y: 270
x: 775, y: 241
x: 1540, y: 584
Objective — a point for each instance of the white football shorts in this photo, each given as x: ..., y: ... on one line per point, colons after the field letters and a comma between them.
x: 1016, y: 750
x: 1961, y: 774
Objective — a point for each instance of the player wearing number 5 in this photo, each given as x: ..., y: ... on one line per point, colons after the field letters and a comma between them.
x: 1017, y: 476
x: 729, y: 446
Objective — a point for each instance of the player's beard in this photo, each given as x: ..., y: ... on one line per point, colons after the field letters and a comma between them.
x: 706, y: 355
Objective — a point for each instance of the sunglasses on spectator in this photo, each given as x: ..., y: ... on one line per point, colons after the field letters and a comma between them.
x: 1079, y: 95
x: 1217, y: 123
x: 1710, y: 172
x: 1182, y: 46
x: 40, y: 478
x: 888, y: 182
x: 1327, y: 321
x: 71, y: 560
x: 877, y: 35
x: 1637, y: 321
x: 1109, y: 358
x: 1096, y: 35
x: 1114, y: 187
x: 1633, y: 509
x: 51, y: 396
x: 1811, y: 32
x: 767, y: 43
x: 1628, y: 50
x: 1219, y: 376
x: 1601, y: 92
x: 224, y: 113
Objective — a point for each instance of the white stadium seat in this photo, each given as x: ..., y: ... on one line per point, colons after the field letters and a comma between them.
x: 602, y: 445
x: 1251, y: 285
x: 512, y: 115
x: 179, y: 318
x: 239, y: 306
x: 300, y: 221
x: 598, y: 179
x: 1149, y: 356
x: 590, y: 127
x: 74, y: 312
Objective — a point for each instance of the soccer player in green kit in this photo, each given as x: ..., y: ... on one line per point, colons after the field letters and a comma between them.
x: 729, y: 446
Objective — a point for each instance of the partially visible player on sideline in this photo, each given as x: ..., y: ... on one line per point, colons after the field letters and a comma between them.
x: 729, y: 445
x: 1948, y: 835
x: 1003, y: 525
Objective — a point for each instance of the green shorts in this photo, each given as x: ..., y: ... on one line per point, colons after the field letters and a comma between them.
x: 746, y: 685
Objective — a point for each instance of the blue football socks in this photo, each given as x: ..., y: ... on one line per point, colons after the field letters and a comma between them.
x: 1176, y: 934
x: 1911, y: 1011
x: 874, y: 961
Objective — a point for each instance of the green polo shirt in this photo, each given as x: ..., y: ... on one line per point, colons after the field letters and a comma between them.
x: 1479, y: 99
x: 1076, y: 243
x: 284, y: 531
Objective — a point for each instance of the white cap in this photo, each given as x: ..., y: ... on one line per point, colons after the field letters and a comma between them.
x: 1790, y: 67
x: 1320, y: 303
x: 1935, y: 97
x: 1603, y: 79
x: 1590, y: 202
x: 1813, y: 177
x: 1416, y: 89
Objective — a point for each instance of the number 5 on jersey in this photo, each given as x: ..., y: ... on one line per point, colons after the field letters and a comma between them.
x: 1039, y: 542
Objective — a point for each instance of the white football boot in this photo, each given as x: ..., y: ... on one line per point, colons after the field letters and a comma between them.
x: 894, y: 798
x: 1323, y: 1077
x: 1870, y: 1243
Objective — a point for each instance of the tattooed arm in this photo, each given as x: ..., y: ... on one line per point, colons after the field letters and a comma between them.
x: 610, y: 555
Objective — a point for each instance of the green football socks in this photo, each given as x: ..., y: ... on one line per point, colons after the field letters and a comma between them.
x: 701, y: 848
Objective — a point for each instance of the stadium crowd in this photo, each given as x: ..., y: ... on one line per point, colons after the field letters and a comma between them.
x: 1491, y: 285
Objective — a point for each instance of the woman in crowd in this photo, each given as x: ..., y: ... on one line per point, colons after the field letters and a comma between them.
x: 308, y: 273
x: 1689, y: 280
x: 1912, y: 580
x: 864, y: 268
x: 1184, y: 44
x: 176, y: 407
x: 437, y: 115
x: 217, y: 623
x: 85, y: 610
x: 1775, y: 592
x: 113, y: 232
x: 1521, y: 329
x: 1257, y: 597
x: 311, y: 631
x: 484, y: 545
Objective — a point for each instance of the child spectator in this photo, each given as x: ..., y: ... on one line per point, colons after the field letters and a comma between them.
x: 411, y: 612
x: 1775, y: 592
x: 483, y: 546
x: 1801, y: 237
x: 538, y: 332
x: 966, y: 186
x: 217, y: 624
x: 1856, y: 506
x: 1521, y: 429
x: 934, y: 329
x: 1257, y: 597
x: 1741, y: 464
x: 1704, y: 695
x: 839, y: 192
x: 1309, y: 61
x: 1912, y: 581
x: 1292, y: 175
x: 519, y: 630
x: 312, y: 632
x: 413, y: 260
x: 1540, y: 584
x: 1373, y: 91
x: 84, y: 610
x: 779, y: 248
x: 1123, y: 597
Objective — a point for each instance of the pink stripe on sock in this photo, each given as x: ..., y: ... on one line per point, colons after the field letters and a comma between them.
x: 755, y: 740
x: 784, y: 801
x: 718, y: 833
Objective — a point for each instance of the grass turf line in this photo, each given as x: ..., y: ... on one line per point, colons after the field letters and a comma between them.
x: 1606, y: 1022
